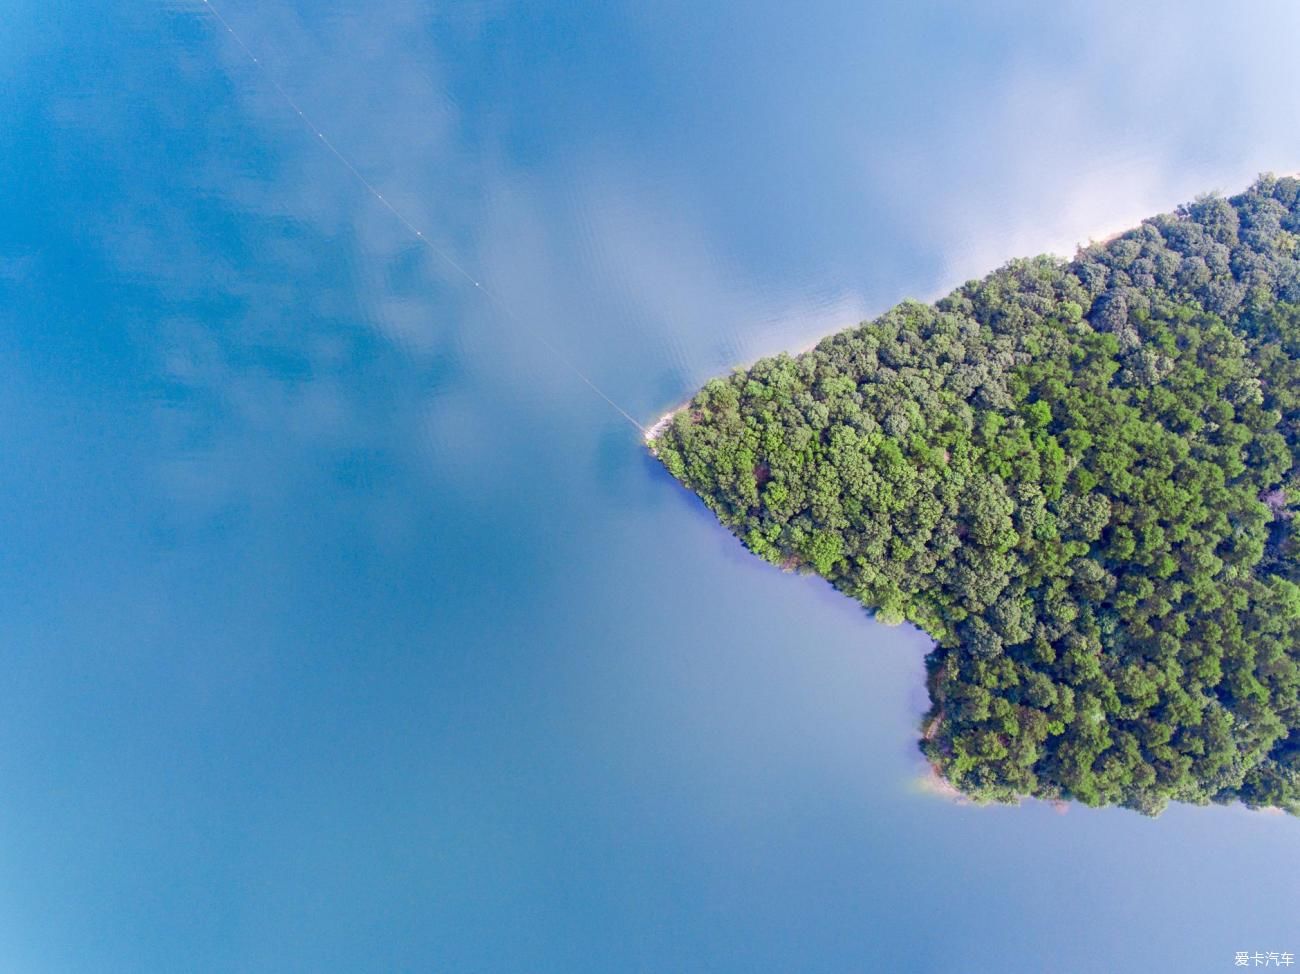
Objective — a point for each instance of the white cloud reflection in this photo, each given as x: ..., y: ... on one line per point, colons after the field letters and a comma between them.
x: 1124, y: 111
x: 303, y: 317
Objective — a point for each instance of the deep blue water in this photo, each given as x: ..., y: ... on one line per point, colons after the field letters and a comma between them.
x: 343, y: 629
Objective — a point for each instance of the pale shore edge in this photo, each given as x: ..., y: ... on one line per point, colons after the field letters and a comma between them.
x: 656, y: 429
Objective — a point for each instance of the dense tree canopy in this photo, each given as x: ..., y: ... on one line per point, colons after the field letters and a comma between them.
x: 1079, y: 478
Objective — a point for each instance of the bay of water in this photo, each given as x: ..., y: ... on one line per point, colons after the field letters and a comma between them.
x: 343, y: 629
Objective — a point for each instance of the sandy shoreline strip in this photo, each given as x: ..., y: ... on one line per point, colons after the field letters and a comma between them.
x: 656, y: 429
x: 653, y: 433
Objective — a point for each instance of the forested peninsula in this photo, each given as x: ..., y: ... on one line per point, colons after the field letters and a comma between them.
x: 1079, y: 477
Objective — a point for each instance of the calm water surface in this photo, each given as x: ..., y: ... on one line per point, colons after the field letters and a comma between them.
x: 343, y: 630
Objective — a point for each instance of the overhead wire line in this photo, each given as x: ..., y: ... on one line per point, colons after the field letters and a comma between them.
x: 439, y: 252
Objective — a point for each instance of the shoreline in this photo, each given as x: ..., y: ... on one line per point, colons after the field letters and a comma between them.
x: 930, y: 782
x: 656, y: 429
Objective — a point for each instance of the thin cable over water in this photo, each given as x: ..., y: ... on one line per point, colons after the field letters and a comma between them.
x: 445, y: 257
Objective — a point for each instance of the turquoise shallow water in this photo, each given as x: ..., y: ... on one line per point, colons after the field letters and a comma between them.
x: 343, y: 630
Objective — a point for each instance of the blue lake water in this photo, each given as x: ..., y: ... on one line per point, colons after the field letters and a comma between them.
x: 343, y: 629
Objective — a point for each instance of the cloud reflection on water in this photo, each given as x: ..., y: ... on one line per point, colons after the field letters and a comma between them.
x: 324, y: 296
